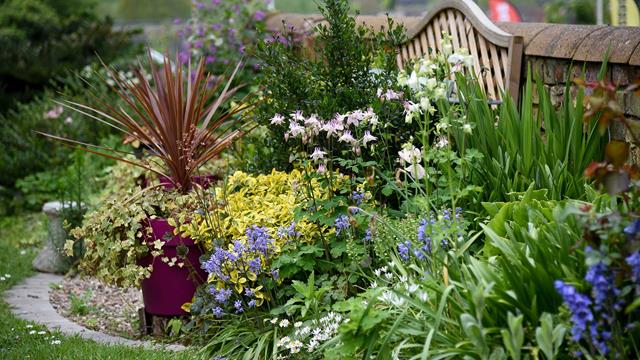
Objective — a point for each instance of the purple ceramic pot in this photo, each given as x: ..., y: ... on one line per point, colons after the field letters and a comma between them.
x: 169, y: 287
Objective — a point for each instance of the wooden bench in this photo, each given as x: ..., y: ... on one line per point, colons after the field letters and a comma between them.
x: 497, y: 55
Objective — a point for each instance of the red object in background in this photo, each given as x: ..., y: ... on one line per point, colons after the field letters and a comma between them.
x: 503, y: 11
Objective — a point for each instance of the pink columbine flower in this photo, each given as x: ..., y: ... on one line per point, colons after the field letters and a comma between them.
x: 277, y: 119
x: 53, y: 113
x: 347, y: 137
x: 297, y: 116
x: 318, y: 154
x: 332, y: 127
x: 368, y: 138
x: 312, y: 121
x: 322, y: 169
x: 295, y: 129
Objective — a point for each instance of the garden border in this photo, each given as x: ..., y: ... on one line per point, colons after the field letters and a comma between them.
x: 29, y: 301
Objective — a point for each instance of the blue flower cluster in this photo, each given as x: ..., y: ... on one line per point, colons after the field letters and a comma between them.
x: 341, y: 224
x: 597, y: 312
x: 288, y: 231
x: 248, y: 259
x: 434, y: 228
x: 633, y: 261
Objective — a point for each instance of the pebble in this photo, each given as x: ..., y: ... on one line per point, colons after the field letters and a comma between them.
x: 112, y: 310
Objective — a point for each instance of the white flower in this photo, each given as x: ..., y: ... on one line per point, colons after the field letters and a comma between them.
x: 41, y: 332
x: 416, y: 171
x: 346, y: 137
x: 283, y: 342
x: 322, y: 169
x: 411, y: 110
x: 403, y: 279
x: 56, y: 342
x: 29, y: 326
x: 440, y: 93
x: 423, y: 296
x: 318, y: 154
x: 412, y: 288
x: 297, y: 116
x: 295, y: 129
x: 425, y: 105
x: 312, y: 122
x: 442, y: 143
x: 355, y: 117
x: 2, y: 278
x: 273, y: 321
x: 332, y: 127
x: 447, y: 49
x: 284, y: 323
x: 32, y: 332
x: 410, y: 154
x: 467, y: 128
x: 368, y: 138
x: 23, y: 252
x: 68, y: 120
x: 432, y: 83
x: 415, y: 82
x: 277, y: 119
x: 297, y: 324
x: 295, y: 346
x: 389, y: 276
x: 455, y: 59
x: 373, y: 285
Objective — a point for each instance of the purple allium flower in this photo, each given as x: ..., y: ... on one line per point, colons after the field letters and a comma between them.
x: 199, y: 5
x: 200, y: 31
x: 403, y: 250
x: 341, y: 224
x: 177, y: 21
x: 215, y: 2
x: 198, y: 44
x: 216, y: 27
x: 259, y: 15
x: 238, y: 306
x: 255, y: 265
x: 578, y: 304
x: 218, y: 312
x: 633, y: 261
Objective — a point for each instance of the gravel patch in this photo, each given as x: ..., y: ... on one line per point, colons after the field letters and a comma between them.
x: 97, y: 306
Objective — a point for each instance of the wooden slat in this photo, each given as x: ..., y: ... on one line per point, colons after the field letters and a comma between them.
x: 424, y: 43
x: 485, y: 61
x: 405, y: 54
x: 418, y: 49
x: 409, y: 46
x: 399, y: 61
x: 453, y: 29
x: 497, y: 69
x: 437, y: 30
x: 432, y: 39
x: 461, y: 30
x: 473, y: 49
x: 504, y: 57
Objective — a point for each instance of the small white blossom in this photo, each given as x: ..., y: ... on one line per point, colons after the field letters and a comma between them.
x: 56, y: 342
x: 297, y: 116
x: 284, y: 323
x: 277, y: 119
x: 318, y: 154
x: 273, y: 321
x: 297, y: 324
x: 442, y: 143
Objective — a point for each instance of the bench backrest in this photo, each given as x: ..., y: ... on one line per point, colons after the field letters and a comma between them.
x: 497, y: 55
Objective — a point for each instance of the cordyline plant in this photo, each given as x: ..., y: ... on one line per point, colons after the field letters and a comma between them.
x: 173, y: 114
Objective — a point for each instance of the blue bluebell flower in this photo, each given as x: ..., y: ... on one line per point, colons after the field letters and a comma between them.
x: 403, y: 250
x: 255, y: 265
x: 633, y: 261
x: 341, y: 224
x: 238, y: 306
x: 357, y: 197
x: 218, y: 312
x: 579, y: 306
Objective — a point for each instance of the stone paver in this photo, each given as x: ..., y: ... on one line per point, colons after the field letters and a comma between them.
x: 29, y: 301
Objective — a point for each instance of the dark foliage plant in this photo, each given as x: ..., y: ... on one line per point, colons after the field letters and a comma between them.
x: 172, y: 114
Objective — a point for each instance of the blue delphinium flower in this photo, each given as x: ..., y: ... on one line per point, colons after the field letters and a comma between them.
x: 341, y: 224
x: 218, y: 312
x: 403, y: 250
x: 579, y: 306
x: 633, y: 261
x: 601, y: 280
x: 422, y: 229
x: 367, y: 235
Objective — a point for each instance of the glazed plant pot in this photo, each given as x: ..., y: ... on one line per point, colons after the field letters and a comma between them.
x: 169, y: 287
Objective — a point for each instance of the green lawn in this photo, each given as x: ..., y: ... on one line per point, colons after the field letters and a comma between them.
x: 19, y: 239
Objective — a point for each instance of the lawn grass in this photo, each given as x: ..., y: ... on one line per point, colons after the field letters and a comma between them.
x: 20, y: 238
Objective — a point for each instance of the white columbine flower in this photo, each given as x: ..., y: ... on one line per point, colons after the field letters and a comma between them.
x: 442, y: 143
x: 277, y: 119
x: 432, y: 83
x: 312, y: 122
x: 332, y: 127
x: 295, y: 129
x: 410, y: 154
x: 415, y: 82
x: 318, y: 154
x: 368, y: 138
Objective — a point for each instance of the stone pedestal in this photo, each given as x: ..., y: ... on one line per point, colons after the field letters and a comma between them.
x: 50, y: 259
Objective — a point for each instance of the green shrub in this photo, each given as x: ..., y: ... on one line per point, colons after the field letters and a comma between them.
x: 42, y: 39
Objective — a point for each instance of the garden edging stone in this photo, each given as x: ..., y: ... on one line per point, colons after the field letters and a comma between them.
x: 29, y: 300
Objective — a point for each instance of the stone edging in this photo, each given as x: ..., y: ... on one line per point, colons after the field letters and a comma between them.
x: 29, y: 300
